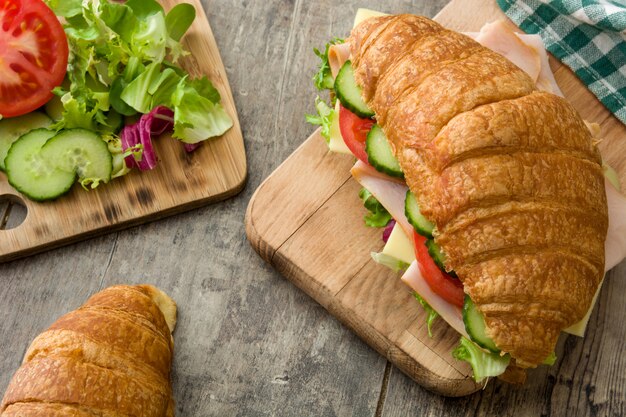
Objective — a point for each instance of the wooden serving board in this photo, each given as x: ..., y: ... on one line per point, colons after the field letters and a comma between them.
x: 307, y: 221
x: 181, y: 181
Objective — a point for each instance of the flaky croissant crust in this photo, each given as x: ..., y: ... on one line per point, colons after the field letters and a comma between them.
x: 510, y: 176
x: 111, y: 357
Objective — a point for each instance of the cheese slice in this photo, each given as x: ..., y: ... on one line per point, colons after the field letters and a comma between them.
x: 364, y: 14
x: 399, y: 246
x: 336, y: 142
x: 579, y: 328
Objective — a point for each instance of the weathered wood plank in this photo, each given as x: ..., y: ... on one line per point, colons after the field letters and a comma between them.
x: 35, y: 292
x: 247, y: 342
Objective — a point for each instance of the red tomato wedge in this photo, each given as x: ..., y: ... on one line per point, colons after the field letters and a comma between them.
x: 354, y: 131
x: 33, y: 55
x: 447, y: 287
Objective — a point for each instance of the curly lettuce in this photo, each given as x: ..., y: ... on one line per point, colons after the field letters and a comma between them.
x: 484, y: 364
x: 378, y: 216
x: 124, y: 61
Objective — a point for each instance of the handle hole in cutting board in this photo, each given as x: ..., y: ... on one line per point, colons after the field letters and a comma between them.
x: 13, y: 212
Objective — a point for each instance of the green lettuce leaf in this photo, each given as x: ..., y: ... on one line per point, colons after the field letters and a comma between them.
x: 66, y: 8
x: 196, y: 117
x: 324, y: 118
x: 323, y: 78
x: 550, y: 360
x: 432, y: 314
x: 394, y: 264
x: 378, y: 216
x: 484, y: 364
x: 179, y: 20
x: 136, y: 94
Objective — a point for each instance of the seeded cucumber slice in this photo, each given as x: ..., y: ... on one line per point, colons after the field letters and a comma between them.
x: 380, y: 155
x: 11, y: 130
x: 349, y: 93
x: 475, y: 326
x: 81, y: 152
x: 416, y: 218
x: 30, y: 174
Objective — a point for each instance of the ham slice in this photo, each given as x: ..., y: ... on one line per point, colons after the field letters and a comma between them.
x: 499, y: 37
x: 389, y: 192
x: 450, y: 313
x: 337, y: 56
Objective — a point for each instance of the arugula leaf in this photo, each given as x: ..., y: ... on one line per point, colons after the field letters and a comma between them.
x: 432, y: 314
x: 323, y: 78
x: 379, y: 216
x: 324, y: 118
x: 485, y: 364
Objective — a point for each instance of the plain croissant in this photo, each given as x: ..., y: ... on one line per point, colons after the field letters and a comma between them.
x: 510, y: 176
x: 109, y: 358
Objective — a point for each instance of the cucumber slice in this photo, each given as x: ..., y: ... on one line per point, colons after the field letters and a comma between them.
x: 11, y: 130
x: 435, y: 252
x: 81, y: 152
x: 475, y: 326
x: 379, y: 153
x: 415, y: 217
x: 349, y: 93
x: 440, y: 259
x: 30, y: 174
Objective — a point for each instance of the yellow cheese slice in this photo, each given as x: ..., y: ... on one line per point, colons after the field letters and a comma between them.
x: 579, y: 328
x: 364, y: 14
x: 399, y: 246
x: 336, y: 143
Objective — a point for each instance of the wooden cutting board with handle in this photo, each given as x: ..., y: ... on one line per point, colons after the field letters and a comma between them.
x: 307, y: 221
x: 181, y: 181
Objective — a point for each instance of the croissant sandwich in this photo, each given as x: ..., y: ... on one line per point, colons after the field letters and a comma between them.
x: 111, y: 357
x: 490, y: 185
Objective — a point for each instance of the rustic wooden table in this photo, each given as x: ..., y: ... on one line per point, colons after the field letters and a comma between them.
x: 248, y: 342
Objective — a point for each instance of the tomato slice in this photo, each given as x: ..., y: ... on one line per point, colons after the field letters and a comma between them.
x: 447, y: 287
x: 33, y: 55
x: 354, y: 131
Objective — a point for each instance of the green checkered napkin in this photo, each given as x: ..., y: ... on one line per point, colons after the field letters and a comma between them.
x: 589, y: 36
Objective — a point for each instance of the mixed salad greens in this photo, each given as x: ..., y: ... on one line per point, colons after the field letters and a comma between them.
x: 123, y: 83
